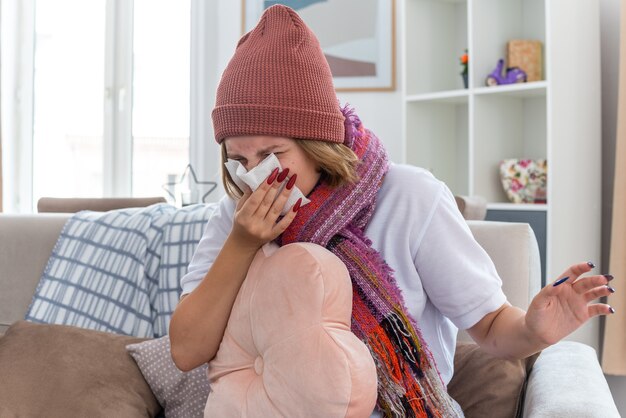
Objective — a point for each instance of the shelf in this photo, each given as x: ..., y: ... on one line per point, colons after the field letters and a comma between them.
x: 446, y: 157
x: 433, y: 66
x: 523, y: 90
x: 518, y: 206
x: 451, y: 96
x: 494, y: 23
x: 505, y: 127
x: 462, y: 135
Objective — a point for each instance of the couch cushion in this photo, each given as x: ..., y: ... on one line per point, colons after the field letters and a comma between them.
x: 182, y: 394
x: 288, y: 348
x: 63, y: 371
x: 486, y: 386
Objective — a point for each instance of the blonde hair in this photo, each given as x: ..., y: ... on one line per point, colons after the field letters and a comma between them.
x: 336, y: 162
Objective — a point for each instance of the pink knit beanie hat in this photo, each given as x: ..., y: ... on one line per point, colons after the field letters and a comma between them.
x: 278, y: 83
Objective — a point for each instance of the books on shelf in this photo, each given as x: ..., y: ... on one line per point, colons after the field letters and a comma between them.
x: 526, y: 54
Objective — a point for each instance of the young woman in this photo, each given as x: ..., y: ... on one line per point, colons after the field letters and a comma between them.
x: 396, y: 227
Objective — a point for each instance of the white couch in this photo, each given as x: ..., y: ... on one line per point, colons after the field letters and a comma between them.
x: 566, y: 379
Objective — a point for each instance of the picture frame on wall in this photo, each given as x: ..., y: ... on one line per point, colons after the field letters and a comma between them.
x: 356, y: 36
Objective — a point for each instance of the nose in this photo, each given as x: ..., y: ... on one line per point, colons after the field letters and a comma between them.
x: 252, y: 164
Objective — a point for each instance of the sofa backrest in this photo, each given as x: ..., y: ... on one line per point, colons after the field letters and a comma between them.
x: 26, y: 242
x: 98, y: 204
x: 514, y: 250
x: 515, y: 253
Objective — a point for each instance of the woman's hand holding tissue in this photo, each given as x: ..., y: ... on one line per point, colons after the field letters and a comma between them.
x: 257, y: 213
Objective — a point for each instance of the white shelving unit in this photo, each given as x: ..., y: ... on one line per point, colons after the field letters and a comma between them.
x: 462, y: 134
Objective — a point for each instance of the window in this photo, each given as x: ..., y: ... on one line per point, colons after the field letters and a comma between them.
x: 68, y: 108
x: 110, y: 98
x: 92, y: 134
x: 160, y: 93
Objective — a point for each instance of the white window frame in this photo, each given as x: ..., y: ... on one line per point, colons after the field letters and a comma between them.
x: 118, y: 100
x: 18, y: 35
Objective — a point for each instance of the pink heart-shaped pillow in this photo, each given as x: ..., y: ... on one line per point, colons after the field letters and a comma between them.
x: 288, y: 349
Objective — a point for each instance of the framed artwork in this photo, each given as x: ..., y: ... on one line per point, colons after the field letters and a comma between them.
x: 357, y: 37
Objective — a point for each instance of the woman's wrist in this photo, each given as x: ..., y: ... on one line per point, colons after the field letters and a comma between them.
x: 536, y: 341
x: 242, y: 244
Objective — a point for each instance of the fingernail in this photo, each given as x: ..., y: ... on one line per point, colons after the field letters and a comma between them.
x: 590, y: 264
x: 272, y: 176
x: 296, y: 207
x: 291, y: 182
x: 611, y: 309
x: 610, y: 289
x: 558, y: 282
x: 283, y: 175
x: 608, y: 277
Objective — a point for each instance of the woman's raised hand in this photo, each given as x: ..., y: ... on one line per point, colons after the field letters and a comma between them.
x: 563, y: 306
x: 256, y: 216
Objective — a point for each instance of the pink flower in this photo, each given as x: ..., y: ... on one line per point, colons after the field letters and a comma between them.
x: 524, y: 163
x: 516, y: 185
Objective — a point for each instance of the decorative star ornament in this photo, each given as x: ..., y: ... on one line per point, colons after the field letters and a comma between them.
x: 194, y: 178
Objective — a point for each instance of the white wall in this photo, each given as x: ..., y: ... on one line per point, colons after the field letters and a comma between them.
x: 610, y: 28
x: 381, y: 113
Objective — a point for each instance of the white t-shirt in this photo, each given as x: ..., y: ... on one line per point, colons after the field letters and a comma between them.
x: 447, y: 280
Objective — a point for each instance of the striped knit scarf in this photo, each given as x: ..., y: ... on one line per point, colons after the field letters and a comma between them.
x: 409, y: 384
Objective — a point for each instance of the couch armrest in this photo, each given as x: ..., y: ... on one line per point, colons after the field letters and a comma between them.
x: 567, y: 381
x: 515, y: 253
x: 472, y: 207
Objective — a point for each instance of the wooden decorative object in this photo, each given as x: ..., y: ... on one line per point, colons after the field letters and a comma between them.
x: 526, y: 55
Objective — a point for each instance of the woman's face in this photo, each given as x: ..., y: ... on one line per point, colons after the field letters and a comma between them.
x: 251, y: 150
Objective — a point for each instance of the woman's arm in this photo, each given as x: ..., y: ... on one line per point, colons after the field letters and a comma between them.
x: 200, y: 319
x: 557, y: 311
x: 503, y: 333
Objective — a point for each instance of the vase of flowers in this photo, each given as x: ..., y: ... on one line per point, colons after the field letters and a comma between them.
x: 464, y: 64
x: 524, y: 180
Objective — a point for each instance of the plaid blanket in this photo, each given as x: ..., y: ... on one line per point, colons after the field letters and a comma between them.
x: 119, y: 271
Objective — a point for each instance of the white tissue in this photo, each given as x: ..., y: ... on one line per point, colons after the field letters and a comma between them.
x: 259, y: 174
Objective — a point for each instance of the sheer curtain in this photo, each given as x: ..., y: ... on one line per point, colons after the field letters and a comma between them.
x: 0, y: 170
x: 0, y: 160
x: 614, y: 348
